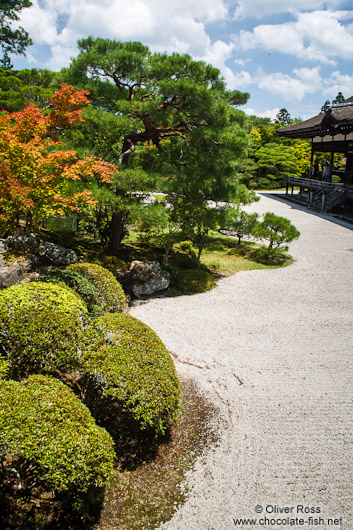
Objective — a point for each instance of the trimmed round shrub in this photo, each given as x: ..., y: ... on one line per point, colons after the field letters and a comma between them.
x: 50, y: 446
x: 127, y: 365
x: 41, y: 325
x: 194, y: 281
x: 110, y: 291
x: 82, y: 286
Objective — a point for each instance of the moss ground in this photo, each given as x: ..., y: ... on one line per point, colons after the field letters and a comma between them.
x: 223, y: 255
x: 149, y: 495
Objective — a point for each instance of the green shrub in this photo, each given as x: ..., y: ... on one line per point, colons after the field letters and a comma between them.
x: 50, y: 446
x: 110, y: 290
x: 195, y: 281
x: 82, y: 286
x: 4, y: 367
x: 276, y: 230
x: 41, y: 325
x: 126, y: 364
x: 214, y: 265
x: 188, y: 248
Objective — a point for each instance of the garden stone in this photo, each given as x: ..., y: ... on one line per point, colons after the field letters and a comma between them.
x: 53, y: 254
x: 3, y: 248
x: 147, y: 278
x: 14, y: 273
x: 22, y: 240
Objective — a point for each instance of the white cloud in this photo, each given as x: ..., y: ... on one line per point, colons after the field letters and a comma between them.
x: 269, y: 113
x: 338, y: 82
x: 176, y: 25
x: 310, y: 77
x: 262, y: 8
x: 290, y: 87
x: 318, y: 36
x: 282, y: 85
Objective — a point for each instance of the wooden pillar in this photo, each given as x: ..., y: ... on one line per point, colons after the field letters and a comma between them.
x: 323, y: 200
x: 311, y: 197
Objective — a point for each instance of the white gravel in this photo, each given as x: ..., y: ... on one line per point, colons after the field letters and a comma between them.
x: 272, y: 349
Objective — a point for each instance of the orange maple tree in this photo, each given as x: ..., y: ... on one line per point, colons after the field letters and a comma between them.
x: 35, y: 176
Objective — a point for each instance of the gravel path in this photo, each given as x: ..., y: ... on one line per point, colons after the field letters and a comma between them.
x: 272, y: 350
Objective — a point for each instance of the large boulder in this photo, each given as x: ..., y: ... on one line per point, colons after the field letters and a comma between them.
x: 14, y: 273
x: 22, y: 240
x: 50, y: 253
x: 147, y: 278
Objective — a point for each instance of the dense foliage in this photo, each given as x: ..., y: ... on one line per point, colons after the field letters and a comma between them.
x: 276, y: 230
x: 41, y: 325
x: 82, y: 286
x: 50, y: 446
x: 36, y: 179
x: 175, y: 117
x: 272, y: 157
x: 19, y: 88
x: 111, y: 295
x: 127, y: 367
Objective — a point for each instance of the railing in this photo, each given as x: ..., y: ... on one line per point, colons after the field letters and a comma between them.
x: 313, y: 184
x: 322, y: 196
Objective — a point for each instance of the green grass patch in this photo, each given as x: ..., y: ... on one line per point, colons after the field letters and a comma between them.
x: 224, y: 255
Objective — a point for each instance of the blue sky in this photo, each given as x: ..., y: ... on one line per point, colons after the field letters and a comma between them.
x: 291, y: 54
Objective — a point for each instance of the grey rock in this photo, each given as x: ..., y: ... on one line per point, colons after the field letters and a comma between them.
x: 3, y: 249
x: 14, y: 273
x: 50, y: 253
x: 22, y: 240
x: 147, y: 277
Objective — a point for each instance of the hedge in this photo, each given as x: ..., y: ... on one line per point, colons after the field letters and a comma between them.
x: 82, y: 286
x: 41, y: 326
x: 126, y: 362
x: 50, y: 444
x: 110, y: 291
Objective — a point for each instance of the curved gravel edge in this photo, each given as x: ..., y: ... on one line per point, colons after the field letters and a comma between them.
x: 273, y: 350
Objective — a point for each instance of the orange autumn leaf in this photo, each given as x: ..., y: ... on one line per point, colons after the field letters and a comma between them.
x: 34, y: 177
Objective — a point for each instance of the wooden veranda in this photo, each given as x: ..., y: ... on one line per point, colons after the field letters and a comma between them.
x: 318, y: 195
x: 330, y: 132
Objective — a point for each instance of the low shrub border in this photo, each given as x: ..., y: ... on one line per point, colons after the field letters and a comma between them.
x: 41, y: 326
x: 110, y: 290
x: 127, y: 365
x: 50, y: 447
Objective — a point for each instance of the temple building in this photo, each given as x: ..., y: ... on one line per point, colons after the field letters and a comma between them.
x: 330, y: 132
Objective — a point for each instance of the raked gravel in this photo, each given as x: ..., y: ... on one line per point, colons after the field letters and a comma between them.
x: 272, y: 350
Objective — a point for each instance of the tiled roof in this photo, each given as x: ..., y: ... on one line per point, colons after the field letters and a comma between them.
x: 338, y: 119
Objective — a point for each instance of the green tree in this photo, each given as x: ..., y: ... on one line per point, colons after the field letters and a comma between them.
x: 197, y: 220
x: 284, y: 118
x: 172, y: 113
x: 240, y: 222
x: 20, y: 88
x: 12, y: 40
x: 276, y: 230
x: 275, y: 163
x: 338, y: 99
x: 156, y: 225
